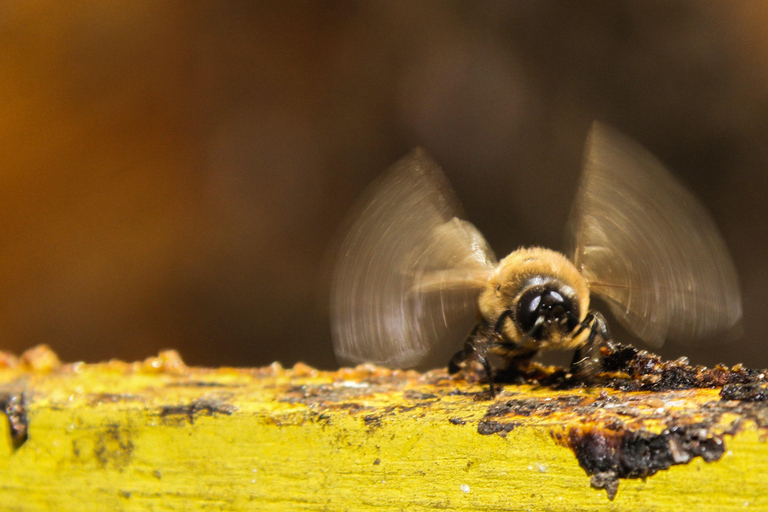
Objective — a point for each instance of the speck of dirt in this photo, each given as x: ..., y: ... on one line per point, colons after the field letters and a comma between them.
x: 190, y: 411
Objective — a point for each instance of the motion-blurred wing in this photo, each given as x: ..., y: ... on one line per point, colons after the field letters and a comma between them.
x: 408, y: 272
x: 647, y: 246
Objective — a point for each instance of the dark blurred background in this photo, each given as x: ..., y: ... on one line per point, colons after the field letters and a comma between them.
x: 173, y: 172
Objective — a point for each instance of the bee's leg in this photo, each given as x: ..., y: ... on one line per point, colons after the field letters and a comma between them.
x: 459, y: 358
x: 499, y: 326
x: 586, y: 360
x: 476, y: 347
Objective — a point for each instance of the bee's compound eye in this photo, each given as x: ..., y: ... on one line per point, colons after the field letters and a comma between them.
x: 544, y: 306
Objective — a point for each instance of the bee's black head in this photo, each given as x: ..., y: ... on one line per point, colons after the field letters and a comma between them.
x: 547, y: 311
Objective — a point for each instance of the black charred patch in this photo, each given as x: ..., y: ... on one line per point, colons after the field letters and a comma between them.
x: 610, y: 440
x: 615, y: 435
x: 190, y: 411
x: 352, y: 408
x: 457, y: 421
x: 609, y: 455
x: 627, y: 369
x: 113, y: 448
x: 493, y: 423
x: 14, y: 406
x: 350, y: 396
x: 412, y: 394
x: 372, y: 421
x: 201, y: 384
x: 533, y: 406
x: 488, y: 427
x: 325, y: 395
x: 514, y: 408
x: 749, y: 392
x: 619, y: 359
x: 460, y: 392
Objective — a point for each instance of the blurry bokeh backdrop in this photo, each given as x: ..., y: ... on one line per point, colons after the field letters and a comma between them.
x: 172, y: 173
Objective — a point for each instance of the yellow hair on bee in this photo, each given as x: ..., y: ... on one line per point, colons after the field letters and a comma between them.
x: 518, y: 271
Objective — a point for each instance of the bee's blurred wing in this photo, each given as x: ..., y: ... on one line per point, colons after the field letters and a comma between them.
x: 647, y: 246
x: 408, y: 272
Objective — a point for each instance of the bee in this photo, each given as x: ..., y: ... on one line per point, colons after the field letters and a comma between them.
x: 411, y: 274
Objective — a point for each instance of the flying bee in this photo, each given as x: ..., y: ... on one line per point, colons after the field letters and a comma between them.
x: 411, y: 274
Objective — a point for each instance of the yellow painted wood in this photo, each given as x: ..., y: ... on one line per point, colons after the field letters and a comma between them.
x: 159, y: 436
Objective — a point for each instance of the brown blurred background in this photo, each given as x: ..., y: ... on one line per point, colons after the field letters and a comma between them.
x: 173, y: 172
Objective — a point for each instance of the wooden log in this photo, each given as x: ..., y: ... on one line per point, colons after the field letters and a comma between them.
x: 157, y: 435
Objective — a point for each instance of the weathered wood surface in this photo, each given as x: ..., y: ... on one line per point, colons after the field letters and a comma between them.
x: 160, y: 436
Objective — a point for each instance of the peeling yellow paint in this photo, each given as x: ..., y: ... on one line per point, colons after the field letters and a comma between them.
x: 143, y: 436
